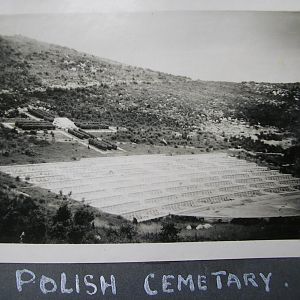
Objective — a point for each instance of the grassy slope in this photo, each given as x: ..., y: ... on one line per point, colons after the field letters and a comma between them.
x: 25, y: 148
x: 81, y: 86
x: 128, y: 96
x: 120, y: 87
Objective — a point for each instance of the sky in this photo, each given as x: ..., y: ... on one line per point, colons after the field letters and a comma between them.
x: 175, y: 38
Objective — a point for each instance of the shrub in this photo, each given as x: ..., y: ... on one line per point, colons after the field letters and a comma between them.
x: 128, y: 231
x: 20, y: 215
x: 83, y: 217
x: 169, y: 232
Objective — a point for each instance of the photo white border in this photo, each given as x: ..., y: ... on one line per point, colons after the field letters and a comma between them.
x: 146, y: 252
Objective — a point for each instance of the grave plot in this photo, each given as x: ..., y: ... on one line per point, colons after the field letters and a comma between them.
x: 261, y: 206
x: 151, y: 186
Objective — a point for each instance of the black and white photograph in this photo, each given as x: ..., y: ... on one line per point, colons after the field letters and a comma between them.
x: 148, y: 122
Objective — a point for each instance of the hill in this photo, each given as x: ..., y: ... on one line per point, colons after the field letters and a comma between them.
x: 150, y: 112
x: 155, y: 108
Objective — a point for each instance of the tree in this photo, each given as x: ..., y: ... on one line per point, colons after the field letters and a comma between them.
x: 128, y: 230
x: 18, y: 215
x: 63, y: 214
x: 61, y: 224
x: 82, y: 230
x: 169, y: 232
x: 83, y: 216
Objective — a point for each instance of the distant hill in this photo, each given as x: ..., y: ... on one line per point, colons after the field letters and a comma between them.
x: 28, y: 66
x: 154, y: 106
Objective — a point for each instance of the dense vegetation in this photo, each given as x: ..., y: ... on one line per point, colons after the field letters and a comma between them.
x: 11, y: 143
x: 30, y: 219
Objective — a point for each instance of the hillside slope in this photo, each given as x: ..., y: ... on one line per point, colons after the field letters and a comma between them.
x: 28, y: 66
x: 153, y: 106
x: 151, y: 111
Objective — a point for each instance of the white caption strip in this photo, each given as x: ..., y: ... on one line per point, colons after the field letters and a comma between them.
x: 111, y: 253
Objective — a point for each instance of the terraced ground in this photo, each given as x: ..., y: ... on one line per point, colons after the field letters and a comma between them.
x: 146, y: 187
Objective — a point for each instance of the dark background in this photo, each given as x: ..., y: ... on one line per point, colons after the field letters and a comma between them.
x: 130, y: 279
